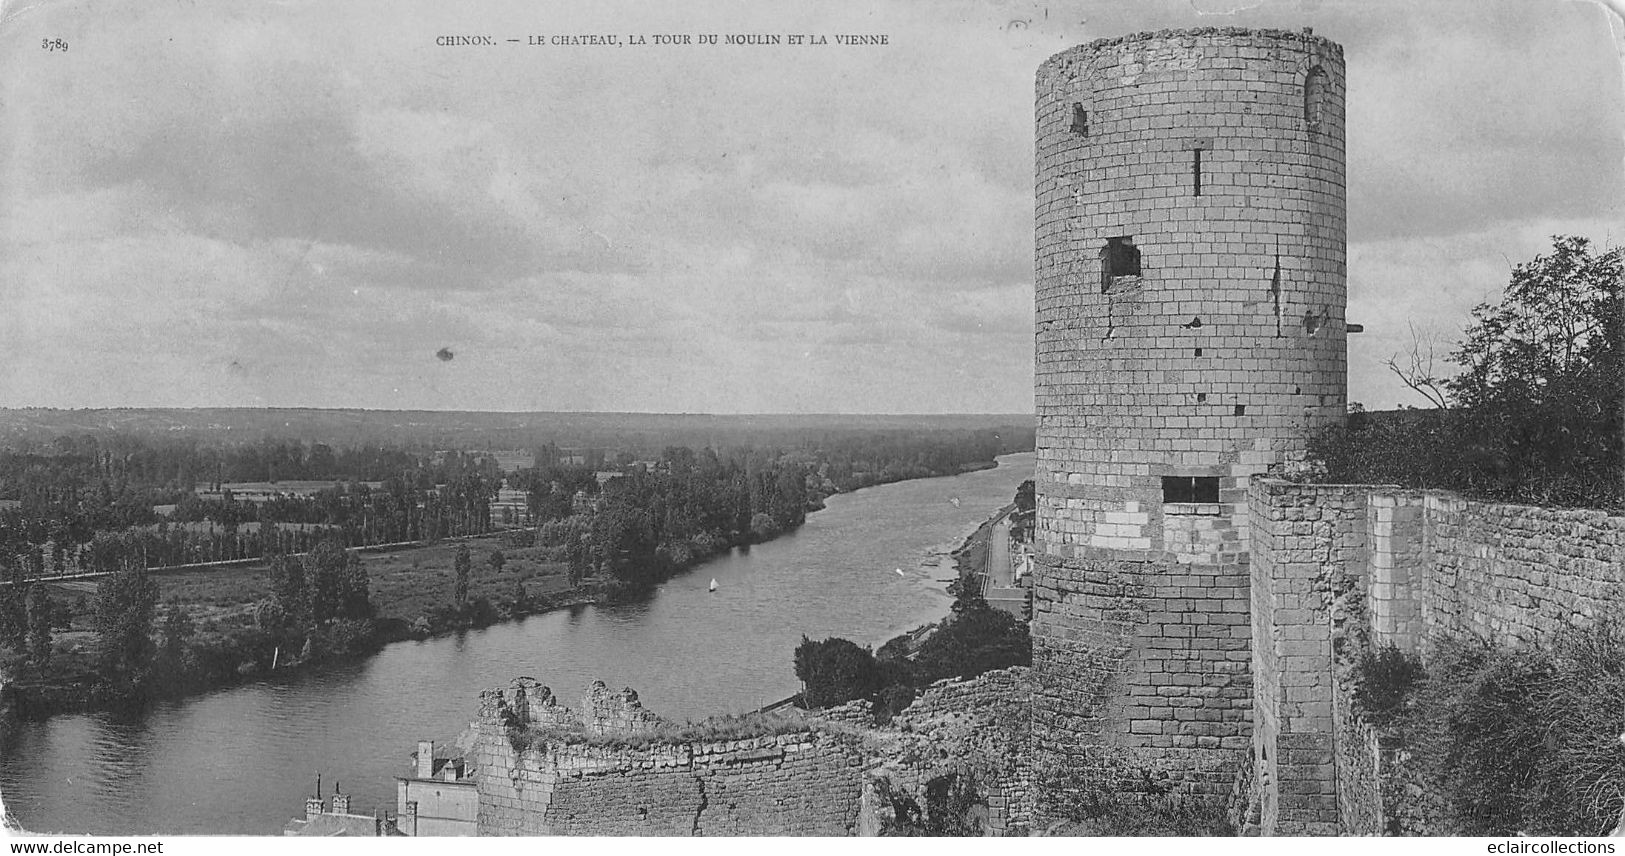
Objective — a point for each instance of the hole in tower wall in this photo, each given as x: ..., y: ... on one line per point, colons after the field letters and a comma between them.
x: 1196, y: 172
x: 1241, y: 410
x: 1080, y: 120
x: 1198, y: 352
x: 1118, y: 258
x: 1201, y: 397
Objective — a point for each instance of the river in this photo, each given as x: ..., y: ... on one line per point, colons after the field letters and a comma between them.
x: 240, y: 761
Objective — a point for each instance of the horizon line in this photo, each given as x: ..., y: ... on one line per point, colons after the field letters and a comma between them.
x: 264, y: 408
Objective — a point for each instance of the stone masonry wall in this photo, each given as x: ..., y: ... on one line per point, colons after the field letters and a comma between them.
x: 793, y: 784
x: 976, y: 729
x: 800, y: 783
x: 1516, y: 575
x: 1147, y: 661
x: 1359, y: 747
x: 1310, y: 546
x: 1190, y: 294
x: 1218, y: 154
x: 828, y: 778
x: 1421, y: 565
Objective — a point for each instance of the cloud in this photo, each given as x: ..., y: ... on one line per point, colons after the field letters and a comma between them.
x: 275, y: 209
x: 1486, y: 115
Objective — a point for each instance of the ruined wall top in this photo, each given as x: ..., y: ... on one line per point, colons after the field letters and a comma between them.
x: 1306, y: 36
x: 526, y: 703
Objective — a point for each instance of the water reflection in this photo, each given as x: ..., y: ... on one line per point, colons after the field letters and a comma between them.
x: 241, y: 760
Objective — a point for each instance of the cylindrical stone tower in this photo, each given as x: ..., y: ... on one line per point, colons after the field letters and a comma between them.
x: 1190, y: 334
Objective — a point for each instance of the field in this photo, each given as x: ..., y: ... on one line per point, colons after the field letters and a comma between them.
x: 405, y: 584
x: 408, y: 583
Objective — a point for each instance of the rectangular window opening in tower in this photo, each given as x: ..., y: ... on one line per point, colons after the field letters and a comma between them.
x: 1122, y: 257
x: 1190, y: 489
x: 1196, y: 172
x: 1080, y: 120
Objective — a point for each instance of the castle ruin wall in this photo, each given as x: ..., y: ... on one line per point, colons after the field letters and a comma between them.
x: 1420, y: 565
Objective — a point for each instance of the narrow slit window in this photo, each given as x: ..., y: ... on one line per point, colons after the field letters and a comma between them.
x: 1080, y: 120
x: 1190, y: 489
x: 1196, y: 172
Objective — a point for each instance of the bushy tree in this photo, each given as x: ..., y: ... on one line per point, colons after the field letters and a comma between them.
x: 976, y: 638
x: 461, y: 566
x: 289, y: 595
x: 1537, y: 413
x: 329, y: 583
x: 41, y: 615
x: 519, y: 597
x: 169, y: 664
x: 1026, y: 497
x: 578, y: 556
x: 835, y: 671
x: 623, y: 536
x: 1543, y: 375
x: 13, y: 605
x: 125, y: 603
x: 355, y: 592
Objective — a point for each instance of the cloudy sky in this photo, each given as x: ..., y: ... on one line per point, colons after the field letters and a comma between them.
x: 292, y: 203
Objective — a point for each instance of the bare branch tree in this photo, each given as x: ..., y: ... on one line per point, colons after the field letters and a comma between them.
x: 1417, y: 368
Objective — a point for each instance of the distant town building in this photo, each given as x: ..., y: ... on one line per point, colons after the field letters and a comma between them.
x: 512, y: 460
x: 510, y: 506
x: 440, y: 797
x: 320, y: 820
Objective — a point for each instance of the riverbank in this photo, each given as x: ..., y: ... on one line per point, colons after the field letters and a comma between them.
x: 971, y: 558
x: 968, y: 560
x: 411, y: 590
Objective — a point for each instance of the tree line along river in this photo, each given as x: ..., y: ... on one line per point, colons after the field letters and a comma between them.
x: 242, y: 760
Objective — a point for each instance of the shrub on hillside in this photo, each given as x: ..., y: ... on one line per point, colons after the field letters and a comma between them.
x: 1524, y: 741
x: 1386, y: 678
x: 1117, y: 798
